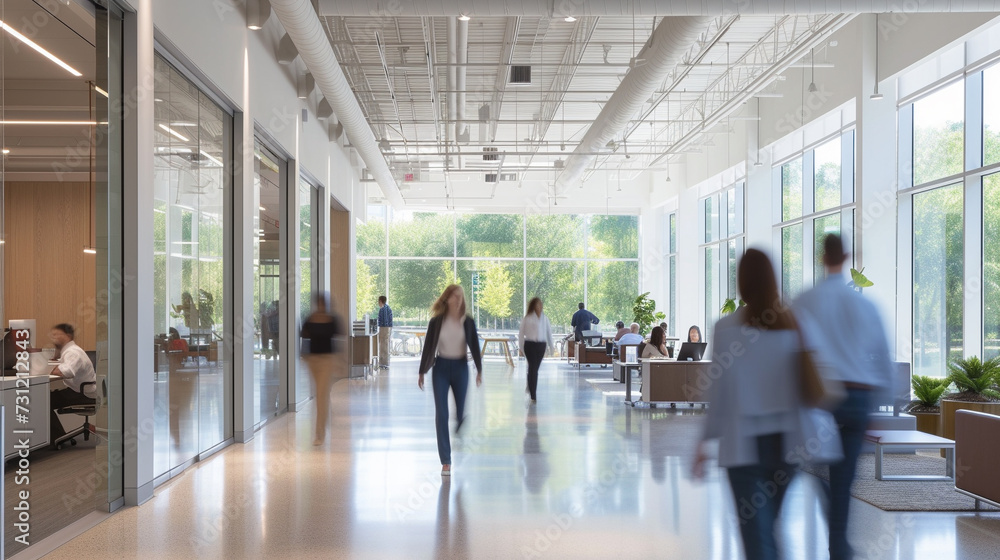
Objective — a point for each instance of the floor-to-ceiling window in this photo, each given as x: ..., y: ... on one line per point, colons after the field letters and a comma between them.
x: 61, y: 188
x: 270, y: 383
x: 816, y: 192
x: 722, y: 245
x: 191, y: 270
x: 672, y: 275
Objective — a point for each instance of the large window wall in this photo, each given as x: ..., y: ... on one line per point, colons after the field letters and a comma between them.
x: 950, y: 148
x: 815, y: 194
x: 502, y: 260
x: 671, y: 246
x: 192, y: 270
x: 722, y: 245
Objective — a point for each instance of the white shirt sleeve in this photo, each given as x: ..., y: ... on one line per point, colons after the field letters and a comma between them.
x: 520, y: 334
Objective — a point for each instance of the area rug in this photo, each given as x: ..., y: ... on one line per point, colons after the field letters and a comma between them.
x: 905, y: 495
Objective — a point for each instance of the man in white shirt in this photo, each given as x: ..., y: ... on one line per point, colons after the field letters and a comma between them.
x: 75, y: 368
x: 852, y: 332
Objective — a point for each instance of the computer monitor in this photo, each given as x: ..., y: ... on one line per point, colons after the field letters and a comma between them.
x: 691, y: 351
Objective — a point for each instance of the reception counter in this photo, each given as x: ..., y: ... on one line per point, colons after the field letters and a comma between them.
x: 670, y: 381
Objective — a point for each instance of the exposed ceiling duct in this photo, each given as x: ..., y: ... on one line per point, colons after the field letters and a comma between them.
x: 301, y: 23
x: 548, y: 8
x: 668, y: 43
x: 462, y: 52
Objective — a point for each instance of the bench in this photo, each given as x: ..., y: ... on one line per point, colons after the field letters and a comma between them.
x: 911, y: 439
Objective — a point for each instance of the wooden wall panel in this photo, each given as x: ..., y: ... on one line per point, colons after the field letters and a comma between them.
x: 340, y: 271
x: 47, y: 276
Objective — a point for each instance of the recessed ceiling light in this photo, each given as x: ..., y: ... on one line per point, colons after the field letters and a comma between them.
x: 90, y: 250
x: 174, y: 133
x: 464, y: 17
x: 38, y: 48
x: 6, y: 151
x: 183, y: 124
x: 570, y: 19
x: 262, y: 208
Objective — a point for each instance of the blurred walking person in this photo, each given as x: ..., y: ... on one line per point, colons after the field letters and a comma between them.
x: 384, y: 332
x: 534, y: 334
x: 852, y: 331
x: 321, y: 329
x: 756, y: 409
x: 449, y: 333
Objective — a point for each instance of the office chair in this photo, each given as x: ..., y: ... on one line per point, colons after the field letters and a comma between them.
x: 85, y: 410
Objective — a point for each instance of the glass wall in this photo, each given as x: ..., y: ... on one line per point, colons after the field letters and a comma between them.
x: 191, y: 269
x: 722, y: 214
x: 991, y: 266
x: 270, y: 383
x: 672, y: 275
x: 938, y: 133
x: 308, y: 272
x: 61, y: 190
x: 502, y: 260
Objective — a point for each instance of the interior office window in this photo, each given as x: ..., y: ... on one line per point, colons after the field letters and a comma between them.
x: 938, y: 134
x: 991, y: 266
x: 938, y: 278
x: 791, y: 261
x: 991, y: 115
x: 826, y: 175
x: 791, y: 190
x: 192, y: 182
x: 822, y: 226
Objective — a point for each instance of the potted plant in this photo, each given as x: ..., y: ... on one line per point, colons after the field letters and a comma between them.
x: 925, y: 407
x: 975, y: 382
x: 731, y: 305
x: 643, y: 312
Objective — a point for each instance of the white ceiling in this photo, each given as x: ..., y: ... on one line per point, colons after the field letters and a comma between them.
x: 575, y: 68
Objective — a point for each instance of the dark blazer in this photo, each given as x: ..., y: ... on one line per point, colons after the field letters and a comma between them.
x: 431, y: 342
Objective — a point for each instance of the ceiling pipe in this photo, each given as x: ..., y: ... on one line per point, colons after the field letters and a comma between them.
x: 669, y: 42
x: 548, y: 8
x: 301, y: 23
x: 450, y: 101
x: 462, y: 54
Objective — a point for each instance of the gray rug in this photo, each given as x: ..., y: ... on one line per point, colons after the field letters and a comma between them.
x: 905, y: 495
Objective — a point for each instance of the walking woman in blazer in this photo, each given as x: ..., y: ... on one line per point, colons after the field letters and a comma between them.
x: 449, y: 332
x: 534, y: 334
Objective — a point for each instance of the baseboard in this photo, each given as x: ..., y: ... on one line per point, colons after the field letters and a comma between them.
x: 62, y: 536
x: 140, y: 495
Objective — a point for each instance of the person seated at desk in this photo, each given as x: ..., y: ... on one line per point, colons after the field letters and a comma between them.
x: 694, y: 334
x: 633, y: 336
x: 75, y: 369
x: 622, y: 331
x: 657, y: 345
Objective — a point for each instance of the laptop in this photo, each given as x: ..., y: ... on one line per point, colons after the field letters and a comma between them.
x: 691, y: 351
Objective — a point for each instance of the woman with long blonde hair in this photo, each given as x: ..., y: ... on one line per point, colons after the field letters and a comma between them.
x: 449, y: 332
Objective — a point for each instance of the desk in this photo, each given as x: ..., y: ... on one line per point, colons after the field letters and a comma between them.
x: 503, y: 342
x: 38, y: 415
x: 670, y: 381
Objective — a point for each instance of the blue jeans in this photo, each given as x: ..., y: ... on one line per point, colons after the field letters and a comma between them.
x: 447, y: 374
x: 852, y: 418
x: 758, y: 491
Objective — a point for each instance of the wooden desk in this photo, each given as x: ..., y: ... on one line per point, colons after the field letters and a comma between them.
x: 670, y: 381
x: 503, y: 342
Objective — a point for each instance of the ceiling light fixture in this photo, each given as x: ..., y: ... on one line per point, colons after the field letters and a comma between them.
x: 464, y: 17
x: 570, y: 19
x: 758, y: 163
x: 257, y: 13
x: 39, y: 49
x: 812, y: 71
x: 212, y: 159
x: 875, y: 96
x: 174, y: 133
x: 100, y: 91
x: 262, y: 208
x: 6, y: 151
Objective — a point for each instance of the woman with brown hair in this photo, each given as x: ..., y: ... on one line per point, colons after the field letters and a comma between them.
x: 449, y: 332
x: 657, y: 345
x: 534, y: 334
x: 756, y: 409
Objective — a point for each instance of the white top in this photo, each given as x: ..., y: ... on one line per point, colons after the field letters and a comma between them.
x: 851, y: 331
x: 753, y: 390
x: 75, y: 365
x: 535, y: 329
x: 650, y: 351
x: 451, y: 341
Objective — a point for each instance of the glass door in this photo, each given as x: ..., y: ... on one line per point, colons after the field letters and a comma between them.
x: 308, y: 273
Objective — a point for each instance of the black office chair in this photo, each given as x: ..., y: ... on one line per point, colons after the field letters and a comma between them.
x: 85, y: 410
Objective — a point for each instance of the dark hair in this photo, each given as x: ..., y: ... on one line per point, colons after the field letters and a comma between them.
x: 620, y: 325
x: 833, y: 250
x: 657, y: 337
x: 174, y: 335
x: 319, y: 300
x: 663, y: 326
x: 581, y: 306
x: 66, y: 328
x: 697, y: 330
x: 381, y: 299
x: 533, y: 306
x: 759, y: 289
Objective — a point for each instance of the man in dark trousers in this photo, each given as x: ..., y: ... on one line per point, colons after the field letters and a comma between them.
x: 582, y: 321
x: 384, y: 332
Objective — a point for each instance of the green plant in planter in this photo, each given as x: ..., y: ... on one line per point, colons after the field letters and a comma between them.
x: 974, y: 379
x: 731, y: 305
x: 859, y: 281
x: 644, y: 312
x: 928, y: 391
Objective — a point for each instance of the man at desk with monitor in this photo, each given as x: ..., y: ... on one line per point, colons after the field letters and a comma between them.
x: 75, y: 369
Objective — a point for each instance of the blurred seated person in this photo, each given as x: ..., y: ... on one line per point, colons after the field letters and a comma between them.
x: 632, y: 337
x: 663, y: 326
x: 622, y: 331
x: 657, y: 345
x: 694, y: 334
x: 175, y: 342
x: 75, y: 368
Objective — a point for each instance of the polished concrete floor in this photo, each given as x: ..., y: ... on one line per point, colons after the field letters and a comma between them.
x: 577, y: 475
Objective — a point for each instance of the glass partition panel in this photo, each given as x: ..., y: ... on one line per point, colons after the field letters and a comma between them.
x: 308, y: 274
x: 939, y: 133
x: 938, y: 276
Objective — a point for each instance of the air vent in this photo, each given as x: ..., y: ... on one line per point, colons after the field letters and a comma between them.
x: 491, y: 153
x: 492, y: 177
x: 520, y: 75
